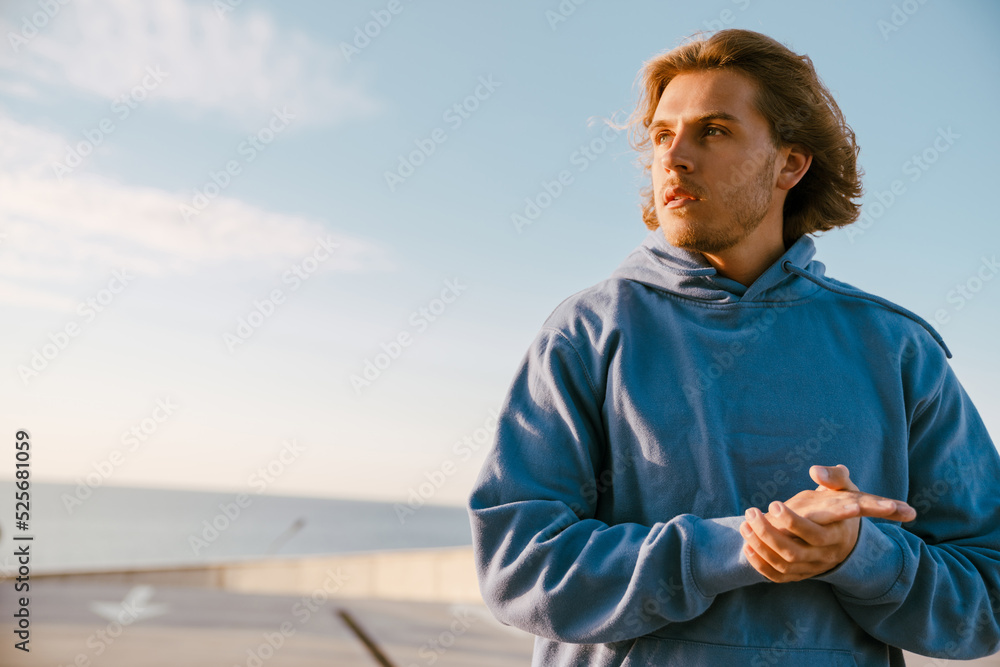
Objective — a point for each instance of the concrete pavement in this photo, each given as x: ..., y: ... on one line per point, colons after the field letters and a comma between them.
x: 101, y: 624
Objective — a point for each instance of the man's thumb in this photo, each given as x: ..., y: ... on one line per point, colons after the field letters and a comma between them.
x: 836, y: 477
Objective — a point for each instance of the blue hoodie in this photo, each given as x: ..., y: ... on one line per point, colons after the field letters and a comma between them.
x: 654, y: 408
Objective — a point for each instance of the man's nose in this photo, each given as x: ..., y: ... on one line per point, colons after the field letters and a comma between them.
x: 677, y: 156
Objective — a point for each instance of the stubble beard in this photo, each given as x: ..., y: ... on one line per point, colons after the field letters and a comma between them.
x: 747, y: 203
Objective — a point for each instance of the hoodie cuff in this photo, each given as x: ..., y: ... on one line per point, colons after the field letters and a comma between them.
x: 871, y: 569
x: 716, y: 557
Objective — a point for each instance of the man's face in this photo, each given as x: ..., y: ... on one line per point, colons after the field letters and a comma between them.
x: 713, y: 162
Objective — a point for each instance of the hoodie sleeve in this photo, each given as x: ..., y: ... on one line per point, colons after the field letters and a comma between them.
x: 544, y: 563
x: 932, y: 586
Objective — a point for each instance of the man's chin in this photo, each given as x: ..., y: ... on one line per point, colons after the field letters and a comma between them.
x: 683, y: 236
x: 675, y: 228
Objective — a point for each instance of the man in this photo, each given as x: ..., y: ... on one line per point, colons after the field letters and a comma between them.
x: 663, y: 488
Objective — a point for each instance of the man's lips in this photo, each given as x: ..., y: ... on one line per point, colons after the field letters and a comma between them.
x: 677, y: 203
x: 677, y: 197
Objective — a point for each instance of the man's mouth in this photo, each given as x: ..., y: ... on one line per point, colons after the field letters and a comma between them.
x: 678, y: 202
x: 677, y: 197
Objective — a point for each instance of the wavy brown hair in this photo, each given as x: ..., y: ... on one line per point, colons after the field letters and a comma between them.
x: 798, y: 107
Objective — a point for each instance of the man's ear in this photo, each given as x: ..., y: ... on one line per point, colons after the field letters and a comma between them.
x: 795, y: 161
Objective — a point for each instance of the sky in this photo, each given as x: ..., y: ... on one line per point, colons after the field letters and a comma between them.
x: 301, y: 248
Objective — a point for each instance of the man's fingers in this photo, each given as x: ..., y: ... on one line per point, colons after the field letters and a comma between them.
x: 762, y: 565
x: 784, y: 519
x: 763, y: 551
x: 827, y: 506
x: 885, y: 508
x: 780, y: 549
x: 765, y: 568
x: 836, y: 477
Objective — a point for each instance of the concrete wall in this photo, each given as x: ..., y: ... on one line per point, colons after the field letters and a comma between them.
x: 433, y: 575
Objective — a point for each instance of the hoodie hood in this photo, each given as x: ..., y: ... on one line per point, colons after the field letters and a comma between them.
x: 687, y: 273
x: 793, y: 276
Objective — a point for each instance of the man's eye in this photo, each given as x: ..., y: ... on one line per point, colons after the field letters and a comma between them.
x: 658, y: 139
x: 714, y: 129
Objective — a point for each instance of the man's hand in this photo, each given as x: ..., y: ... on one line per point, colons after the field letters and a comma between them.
x: 814, y: 531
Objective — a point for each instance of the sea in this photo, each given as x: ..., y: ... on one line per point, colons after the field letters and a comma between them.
x: 118, y: 528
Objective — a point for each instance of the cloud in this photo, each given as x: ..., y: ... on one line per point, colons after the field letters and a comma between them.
x: 240, y: 64
x: 54, y: 233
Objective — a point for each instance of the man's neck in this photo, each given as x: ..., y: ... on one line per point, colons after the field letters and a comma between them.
x: 747, y: 260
